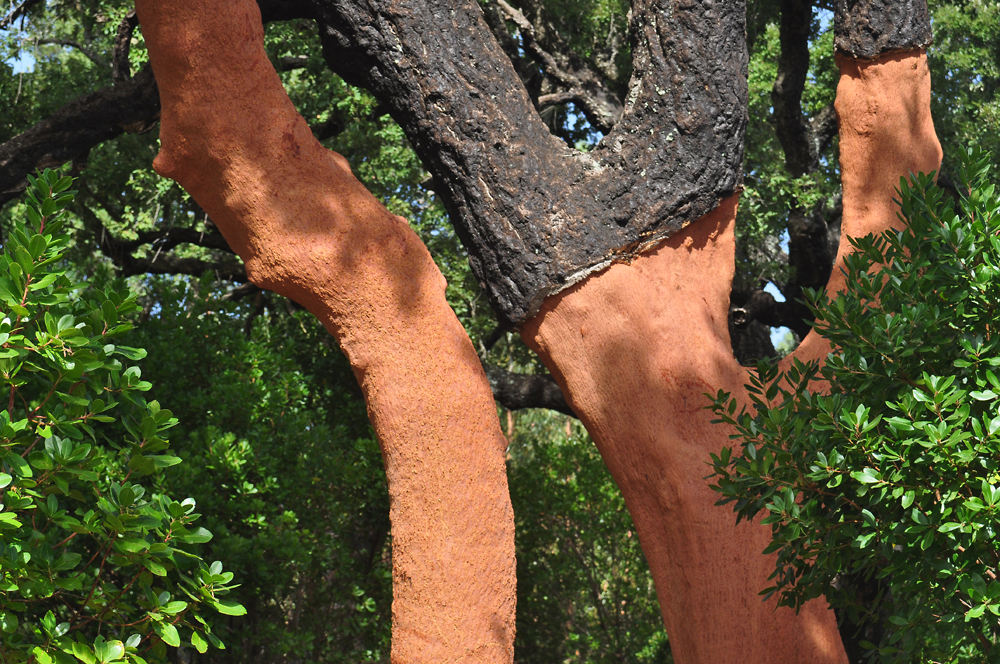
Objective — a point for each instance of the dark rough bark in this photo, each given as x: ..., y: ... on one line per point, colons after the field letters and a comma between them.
x: 68, y: 134
x: 536, y: 215
x: 751, y: 342
x: 515, y: 391
x: 867, y: 28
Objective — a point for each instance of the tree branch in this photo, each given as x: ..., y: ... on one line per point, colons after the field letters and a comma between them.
x: 161, y: 241
x: 515, y: 391
x: 601, y: 106
x: 764, y: 308
x: 536, y: 215
x: 822, y: 128
x: 291, y: 62
x: 17, y: 13
x: 131, y: 106
x: 121, y: 71
x: 90, y: 55
x: 786, y: 94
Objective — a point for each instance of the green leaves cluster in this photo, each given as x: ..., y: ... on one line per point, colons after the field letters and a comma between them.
x: 95, y: 564
x: 884, y: 492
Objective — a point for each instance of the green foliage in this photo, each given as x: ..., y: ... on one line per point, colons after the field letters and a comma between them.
x: 884, y: 494
x: 965, y: 76
x: 283, y: 461
x: 584, y: 589
x: 96, y: 564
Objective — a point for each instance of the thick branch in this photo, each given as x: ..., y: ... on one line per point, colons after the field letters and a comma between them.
x: 822, y: 128
x: 291, y: 62
x: 120, y: 69
x: 515, y: 391
x: 762, y: 307
x: 535, y: 215
x: 120, y: 251
x: 68, y: 134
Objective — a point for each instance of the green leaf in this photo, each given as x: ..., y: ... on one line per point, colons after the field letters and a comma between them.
x: 8, y: 521
x: 154, y: 566
x: 199, y: 642
x: 83, y: 653
x: 41, y: 656
x: 168, y: 633
x: 19, y: 465
x: 173, y: 607
x: 197, y: 536
x: 867, y: 476
x: 229, y: 607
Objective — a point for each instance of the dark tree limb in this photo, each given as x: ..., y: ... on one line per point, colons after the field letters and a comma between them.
x: 866, y: 29
x: 69, y: 134
x: 536, y: 215
x: 241, y: 291
x: 17, y: 13
x: 291, y: 62
x: 230, y: 270
x: 764, y: 308
x: 121, y: 71
x: 120, y: 250
x: 515, y: 391
x: 822, y: 128
x: 786, y: 95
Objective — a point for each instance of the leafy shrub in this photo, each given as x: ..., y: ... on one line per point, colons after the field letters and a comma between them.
x: 882, y: 491
x: 96, y: 566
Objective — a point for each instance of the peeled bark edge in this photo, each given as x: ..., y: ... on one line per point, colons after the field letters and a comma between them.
x: 866, y: 29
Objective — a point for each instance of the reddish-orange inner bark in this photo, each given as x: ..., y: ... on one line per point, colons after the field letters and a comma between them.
x: 306, y: 228
x: 637, y: 346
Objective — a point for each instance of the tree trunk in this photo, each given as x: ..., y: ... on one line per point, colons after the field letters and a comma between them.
x: 636, y: 347
x: 306, y: 228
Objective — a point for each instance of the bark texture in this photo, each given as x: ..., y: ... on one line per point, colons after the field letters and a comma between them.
x: 306, y: 228
x: 535, y: 215
x: 866, y: 29
x: 635, y: 348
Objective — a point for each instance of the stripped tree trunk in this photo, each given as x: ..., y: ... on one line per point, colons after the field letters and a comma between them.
x: 637, y: 346
x: 617, y: 266
x: 306, y: 228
